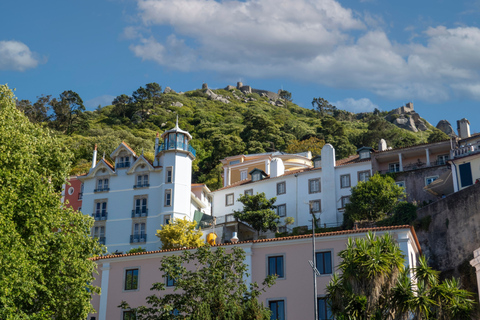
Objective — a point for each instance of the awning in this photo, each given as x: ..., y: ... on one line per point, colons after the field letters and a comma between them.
x: 442, y: 186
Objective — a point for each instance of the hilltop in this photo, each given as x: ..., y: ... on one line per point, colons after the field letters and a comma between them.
x: 223, y: 122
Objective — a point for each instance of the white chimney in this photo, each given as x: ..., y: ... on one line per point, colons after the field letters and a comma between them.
x: 277, y: 168
x: 463, y: 128
x: 382, y: 145
x: 94, y: 159
x: 155, y: 161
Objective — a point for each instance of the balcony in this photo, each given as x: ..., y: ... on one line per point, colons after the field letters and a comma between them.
x: 178, y: 146
x: 225, y: 219
x: 99, y: 216
x: 144, y: 185
x: 134, y: 238
x: 121, y: 165
x: 139, y: 213
x: 101, y: 190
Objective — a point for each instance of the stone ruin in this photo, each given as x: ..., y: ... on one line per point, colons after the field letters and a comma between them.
x: 405, y: 117
x: 446, y: 127
x: 274, y: 98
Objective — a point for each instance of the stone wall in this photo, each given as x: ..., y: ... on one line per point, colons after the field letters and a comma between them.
x: 453, y: 234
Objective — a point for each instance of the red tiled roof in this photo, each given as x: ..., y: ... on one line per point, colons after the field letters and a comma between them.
x: 128, y: 147
x: 305, y: 236
x: 109, y: 164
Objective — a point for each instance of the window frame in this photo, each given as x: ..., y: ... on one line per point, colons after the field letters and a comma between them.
x: 349, y: 184
x: 276, y: 256
x: 168, y: 200
x: 127, y: 315
x: 169, y: 179
x: 284, y: 304
x: 395, y: 165
x: 283, y: 205
x: 319, y: 205
x: 279, y: 185
x: 227, y: 196
x: 310, y: 181
x: 248, y: 191
x: 430, y: 177
x: 243, y: 174
x: 331, y: 267
x: 342, y: 201
x: 142, y: 208
x: 125, y: 280
x: 141, y: 178
x: 442, y: 159
x: 363, y: 172
x: 327, y: 309
x: 166, y: 219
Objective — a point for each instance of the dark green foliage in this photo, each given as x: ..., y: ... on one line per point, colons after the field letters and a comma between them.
x: 373, y: 199
x: 214, y: 289
x: 44, y: 248
x: 259, y: 212
x: 68, y: 110
x: 137, y: 250
x: 437, y: 136
x: 404, y: 213
x: 375, y: 285
x: 284, y: 94
x: 422, y: 224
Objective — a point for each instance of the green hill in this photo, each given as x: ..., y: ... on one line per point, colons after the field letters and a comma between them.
x: 236, y: 123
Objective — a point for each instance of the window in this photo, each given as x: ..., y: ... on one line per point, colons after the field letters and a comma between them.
x: 345, y: 181
x: 100, y: 210
x: 142, y: 181
x: 249, y: 192
x: 131, y: 279
x: 80, y: 194
x: 400, y: 183
x: 442, y: 159
x: 394, y: 167
x: 123, y: 162
x: 234, y: 161
x: 229, y: 199
x: 315, y: 206
x: 170, y: 281
x: 324, y: 262
x: 141, y: 209
x: 168, y: 198
x: 314, y: 185
x: 282, y: 210
x: 166, y: 219
x: 256, y: 176
x: 243, y: 175
x: 275, y: 266
x: 429, y: 180
x: 99, y: 233
x: 128, y: 315
x: 139, y: 234
x: 281, y: 188
x: 364, y: 175
x: 277, y: 308
x: 364, y: 154
x: 102, y: 185
x: 169, y: 175
x: 344, y: 201
x: 324, y: 312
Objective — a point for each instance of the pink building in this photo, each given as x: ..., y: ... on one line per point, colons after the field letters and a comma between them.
x: 292, y: 295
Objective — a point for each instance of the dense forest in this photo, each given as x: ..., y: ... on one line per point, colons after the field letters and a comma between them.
x: 241, y: 123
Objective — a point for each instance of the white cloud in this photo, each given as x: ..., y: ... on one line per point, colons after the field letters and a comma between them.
x: 104, y: 100
x: 15, y: 55
x: 315, y: 41
x: 356, y: 106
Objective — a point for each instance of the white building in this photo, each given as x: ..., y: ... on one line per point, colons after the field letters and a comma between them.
x: 132, y: 198
x: 325, y: 186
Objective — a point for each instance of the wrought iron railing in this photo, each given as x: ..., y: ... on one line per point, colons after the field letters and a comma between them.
x: 141, y: 185
x: 178, y: 146
x: 137, y: 213
x: 101, y: 190
x: 98, y: 216
x: 138, y: 238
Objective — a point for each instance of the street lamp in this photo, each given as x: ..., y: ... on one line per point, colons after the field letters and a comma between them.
x: 313, y: 264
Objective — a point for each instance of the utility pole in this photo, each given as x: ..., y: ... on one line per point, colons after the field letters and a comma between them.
x: 313, y: 264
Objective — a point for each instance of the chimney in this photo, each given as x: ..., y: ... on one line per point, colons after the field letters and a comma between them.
x: 277, y: 168
x: 94, y: 159
x: 382, y: 145
x: 463, y: 128
x: 155, y: 161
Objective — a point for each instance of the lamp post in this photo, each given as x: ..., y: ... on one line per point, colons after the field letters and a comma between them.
x: 313, y: 263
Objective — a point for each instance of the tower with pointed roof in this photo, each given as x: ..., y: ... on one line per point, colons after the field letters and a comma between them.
x: 175, y: 156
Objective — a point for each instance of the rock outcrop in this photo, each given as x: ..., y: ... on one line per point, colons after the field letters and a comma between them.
x: 446, y: 127
x: 405, y: 117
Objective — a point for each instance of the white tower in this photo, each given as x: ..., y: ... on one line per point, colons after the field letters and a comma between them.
x: 463, y: 128
x: 175, y: 155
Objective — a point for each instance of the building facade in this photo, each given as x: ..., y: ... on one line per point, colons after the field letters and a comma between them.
x: 290, y: 298
x: 132, y: 198
x: 324, y: 187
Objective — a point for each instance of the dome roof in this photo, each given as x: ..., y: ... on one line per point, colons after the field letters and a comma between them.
x: 176, y: 130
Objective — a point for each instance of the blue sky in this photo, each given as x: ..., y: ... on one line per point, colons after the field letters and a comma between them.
x: 357, y: 54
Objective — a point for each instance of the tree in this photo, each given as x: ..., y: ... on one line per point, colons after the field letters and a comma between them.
x: 38, y: 112
x: 373, y: 199
x: 180, y: 233
x: 323, y: 106
x: 44, y: 246
x: 259, y: 212
x: 121, y: 104
x: 285, y: 95
x: 375, y: 285
x: 312, y: 144
x: 68, y: 112
x: 214, y: 289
